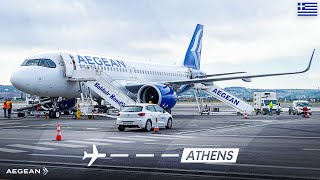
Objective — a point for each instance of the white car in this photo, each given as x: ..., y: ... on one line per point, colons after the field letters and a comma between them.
x: 143, y: 116
x: 297, y: 107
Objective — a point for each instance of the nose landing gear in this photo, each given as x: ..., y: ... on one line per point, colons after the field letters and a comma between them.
x: 53, y: 111
x: 54, y: 114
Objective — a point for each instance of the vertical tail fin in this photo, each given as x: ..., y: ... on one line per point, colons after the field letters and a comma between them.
x: 193, y: 54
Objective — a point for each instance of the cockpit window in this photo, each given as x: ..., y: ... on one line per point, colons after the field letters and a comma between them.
x: 32, y: 62
x: 51, y: 64
x: 39, y: 62
x: 43, y: 62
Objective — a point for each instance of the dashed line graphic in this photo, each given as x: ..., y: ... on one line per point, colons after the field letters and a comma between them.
x: 119, y: 155
x: 144, y: 155
x: 170, y: 155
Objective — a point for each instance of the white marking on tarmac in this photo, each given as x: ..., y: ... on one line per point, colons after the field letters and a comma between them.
x: 168, y: 135
x: 132, y: 138
x: 258, y: 136
x: 11, y: 150
x: 170, y: 155
x: 31, y: 147
x: 210, y: 129
x: 61, y: 144
x: 119, y: 155
x: 56, y: 155
x: 156, y: 137
x: 86, y: 142
x: 258, y: 125
x: 8, y: 123
x: 311, y: 149
x: 111, y: 140
x: 28, y: 139
x: 17, y: 126
x: 165, y: 144
x: 144, y: 155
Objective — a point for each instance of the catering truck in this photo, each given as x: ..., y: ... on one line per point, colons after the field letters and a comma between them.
x: 261, y: 101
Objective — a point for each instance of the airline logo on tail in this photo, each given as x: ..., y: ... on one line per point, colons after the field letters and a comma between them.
x: 193, y: 54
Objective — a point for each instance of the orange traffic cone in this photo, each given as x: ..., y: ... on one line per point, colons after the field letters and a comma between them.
x: 59, y: 136
x: 245, y: 115
x: 156, y: 128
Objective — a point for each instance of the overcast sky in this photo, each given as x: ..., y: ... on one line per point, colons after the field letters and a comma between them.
x: 239, y: 35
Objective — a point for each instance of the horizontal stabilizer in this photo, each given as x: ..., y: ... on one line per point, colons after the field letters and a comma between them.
x: 85, y: 155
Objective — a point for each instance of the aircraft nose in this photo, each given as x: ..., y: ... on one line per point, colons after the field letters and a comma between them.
x: 18, y: 80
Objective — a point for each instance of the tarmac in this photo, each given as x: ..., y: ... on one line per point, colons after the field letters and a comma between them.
x: 270, y: 147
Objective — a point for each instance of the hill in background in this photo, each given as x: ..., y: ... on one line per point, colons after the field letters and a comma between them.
x: 9, y: 91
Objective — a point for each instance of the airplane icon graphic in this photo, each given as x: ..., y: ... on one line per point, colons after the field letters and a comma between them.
x: 94, y: 155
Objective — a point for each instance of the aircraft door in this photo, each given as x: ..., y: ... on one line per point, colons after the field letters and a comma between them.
x: 132, y: 72
x: 191, y: 74
x: 69, y: 64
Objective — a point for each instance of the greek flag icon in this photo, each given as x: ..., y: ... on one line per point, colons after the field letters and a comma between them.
x: 307, y: 9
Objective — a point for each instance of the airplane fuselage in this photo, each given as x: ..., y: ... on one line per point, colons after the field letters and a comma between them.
x: 52, y: 81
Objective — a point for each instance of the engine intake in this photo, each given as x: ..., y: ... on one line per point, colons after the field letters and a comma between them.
x: 159, y: 94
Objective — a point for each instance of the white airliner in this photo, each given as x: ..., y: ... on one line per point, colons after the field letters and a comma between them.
x: 94, y: 155
x: 122, y: 81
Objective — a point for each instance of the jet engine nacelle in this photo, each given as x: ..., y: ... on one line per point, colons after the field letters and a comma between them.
x: 159, y: 94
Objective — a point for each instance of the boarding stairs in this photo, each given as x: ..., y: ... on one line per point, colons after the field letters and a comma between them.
x: 103, y: 85
x: 235, y: 102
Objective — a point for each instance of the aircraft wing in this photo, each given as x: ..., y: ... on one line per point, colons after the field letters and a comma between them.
x: 135, y: 86
x: 92, y: 160
x: 247, y: 77
x: 221, y: 74
x: 94, y: 154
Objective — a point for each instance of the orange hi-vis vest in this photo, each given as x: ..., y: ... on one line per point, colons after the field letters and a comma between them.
x: 4, y: 105
x: 8, y: 104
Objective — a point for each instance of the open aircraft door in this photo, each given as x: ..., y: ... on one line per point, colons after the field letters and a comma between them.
x: 69, y: 64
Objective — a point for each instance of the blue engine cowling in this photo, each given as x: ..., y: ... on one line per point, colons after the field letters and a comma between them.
x: 159, y: 94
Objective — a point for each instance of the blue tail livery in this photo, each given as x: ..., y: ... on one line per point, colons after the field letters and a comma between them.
x: 193, y: 54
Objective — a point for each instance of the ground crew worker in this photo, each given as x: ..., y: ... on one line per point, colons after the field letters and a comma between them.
x: 9, y: 107
x: 305, y: 112
x: 5, y: 108
x: 271, y: 107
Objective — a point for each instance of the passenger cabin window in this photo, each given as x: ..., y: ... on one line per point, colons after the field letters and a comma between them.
x: 39, y: 62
